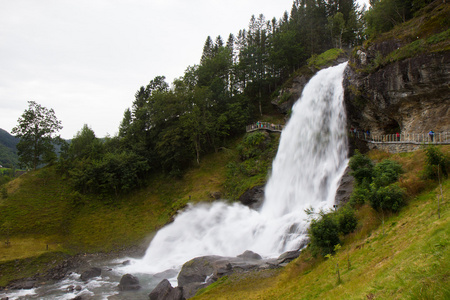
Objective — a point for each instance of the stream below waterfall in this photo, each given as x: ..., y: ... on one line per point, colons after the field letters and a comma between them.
x: 310, y: 161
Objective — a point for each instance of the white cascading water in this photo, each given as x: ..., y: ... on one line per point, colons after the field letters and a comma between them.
x: 311, y: 159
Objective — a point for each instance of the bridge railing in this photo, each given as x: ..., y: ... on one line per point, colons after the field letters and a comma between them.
x: 264, y: 126
x: 413, y: 138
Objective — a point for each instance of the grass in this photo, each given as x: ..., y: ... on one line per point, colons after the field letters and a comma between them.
x: 325, y: 58
x: 407, y: 258
x: 41, y: 209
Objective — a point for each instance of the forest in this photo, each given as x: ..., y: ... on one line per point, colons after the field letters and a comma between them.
x: 171, y: 127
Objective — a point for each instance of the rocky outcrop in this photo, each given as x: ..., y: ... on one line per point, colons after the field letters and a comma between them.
x: 200, y: 272
x: 407, y: 96
x: 345, y: 188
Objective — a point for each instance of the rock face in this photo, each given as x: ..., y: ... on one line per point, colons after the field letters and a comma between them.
x: 407, y: 96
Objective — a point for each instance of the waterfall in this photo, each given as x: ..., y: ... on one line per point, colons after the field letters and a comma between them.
x: 311, y: 158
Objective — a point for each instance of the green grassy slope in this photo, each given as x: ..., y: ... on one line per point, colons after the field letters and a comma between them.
x: 407, y: 258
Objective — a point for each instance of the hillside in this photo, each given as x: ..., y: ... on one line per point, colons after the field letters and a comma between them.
x: 407, y: 258
x: 8, y: 152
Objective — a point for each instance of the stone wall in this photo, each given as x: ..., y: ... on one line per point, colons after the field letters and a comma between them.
x: 394, y: 147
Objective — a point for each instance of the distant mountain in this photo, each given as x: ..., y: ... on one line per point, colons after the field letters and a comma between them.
x: 8, y: 151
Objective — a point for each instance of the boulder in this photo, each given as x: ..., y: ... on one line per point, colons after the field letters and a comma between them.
x: 250, y: 255
x: 189, y: 290
x: 287, y: 257
x: 166, y: 274
x: 197, y: 269
x: 253, y: 197
x: 129, y: 282
x: 165, y: 291
x: 91, y: 273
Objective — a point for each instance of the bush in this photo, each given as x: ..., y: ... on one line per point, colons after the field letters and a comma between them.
x: 359, y: 195
x: 252, y: 145
x: 324, y: 233
x: 386, y: 172
x: 346, y: 219
x: 436, y: 163
x: 362, y: 168
x: 391, y: 198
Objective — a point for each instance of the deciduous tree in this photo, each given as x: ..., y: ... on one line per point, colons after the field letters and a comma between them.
x: 36, y: 128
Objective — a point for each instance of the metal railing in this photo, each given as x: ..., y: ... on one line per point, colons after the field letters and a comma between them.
x: 264, y: 126
x: 411, y: 138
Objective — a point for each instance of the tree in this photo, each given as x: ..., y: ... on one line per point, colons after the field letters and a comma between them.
x: 35, y: 130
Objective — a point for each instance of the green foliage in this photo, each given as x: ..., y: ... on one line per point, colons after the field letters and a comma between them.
x: 346, y: 219
x: 114, y: 173
x: 386, y: 172
x: 256, y: 152
x: 324, y: 230
x: 324, y: 233
x: 362, y: 168
x: 376, y: 184
x: 390, y: 197
x: 252, y: 145
x: 360, y: 194
x: 383, y: 15
x: 437, y: 163
x: 4, y: 192
x: 35, y: 130
x: 325, y: 58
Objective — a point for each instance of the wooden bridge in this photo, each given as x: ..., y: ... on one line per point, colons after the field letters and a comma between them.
x: 439, y: 138
x: 264, y: 126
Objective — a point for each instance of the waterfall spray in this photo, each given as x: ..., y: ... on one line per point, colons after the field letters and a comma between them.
x: 311, y: 158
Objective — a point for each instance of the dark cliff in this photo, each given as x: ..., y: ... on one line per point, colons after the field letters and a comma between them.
x: 400, y: 81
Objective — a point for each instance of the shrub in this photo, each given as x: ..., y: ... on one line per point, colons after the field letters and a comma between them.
x: 324, y: 233
x: 386, y: 172
x: 346, y: 219
x: 252, y: 145
x: 436, y: 163
x: 391, y: 198
x: 362, y: 168
x: 359, y: 195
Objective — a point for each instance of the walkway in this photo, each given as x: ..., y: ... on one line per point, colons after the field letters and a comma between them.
x: 264, y: 126
x: 440, y: 138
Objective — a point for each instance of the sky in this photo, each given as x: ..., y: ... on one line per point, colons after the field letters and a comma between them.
x: 85, y: 59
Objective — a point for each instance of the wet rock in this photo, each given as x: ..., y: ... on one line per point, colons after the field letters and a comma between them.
x: 189, y: 290
x: 197, y: 269
x: 287, y: 257
x: 253, y: 197
x: 70, y: 288
x: 165, y: 291
x: 166, y: 274
x: 126, y: 262
x: 345, y: 188
x: 250, y: 255
x: 129, y: 282
x: 26, y: 284
x: 91, y: 273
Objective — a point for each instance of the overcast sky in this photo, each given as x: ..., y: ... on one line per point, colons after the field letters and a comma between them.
x: 87, y: 58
